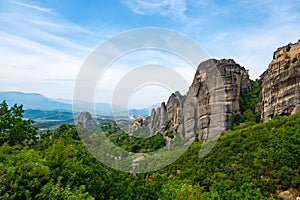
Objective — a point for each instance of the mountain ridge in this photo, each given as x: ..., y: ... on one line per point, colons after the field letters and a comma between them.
x: 33, y: 101
x: 37, y: 106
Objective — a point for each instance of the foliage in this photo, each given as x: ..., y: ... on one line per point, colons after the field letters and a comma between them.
x: 295, y: 59
x: 250, y: 163
x: 136, y: 145
x: 109, y: 126
x: 288, y: 47
x: 287, y: 65
x: 249, y: 101
x: 286, y: 56
x: 13, y: 128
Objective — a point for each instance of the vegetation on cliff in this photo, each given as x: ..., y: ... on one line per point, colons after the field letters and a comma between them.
x: 248, y: 103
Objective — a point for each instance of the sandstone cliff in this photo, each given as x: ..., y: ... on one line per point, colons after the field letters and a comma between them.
x: 157, y: 119
x: 212, y: 99
x: 281, y: 83
x: 215, y: 96
x: 174, y: 110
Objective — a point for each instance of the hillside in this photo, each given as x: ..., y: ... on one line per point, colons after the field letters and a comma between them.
x: 254, y: 160
x: 257, y: 162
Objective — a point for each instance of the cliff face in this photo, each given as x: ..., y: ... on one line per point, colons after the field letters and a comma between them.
x: 281, y: 83
x: 174, y: 110
x: 206, y: 110
x: 157, y: 119
x: 213, y: 98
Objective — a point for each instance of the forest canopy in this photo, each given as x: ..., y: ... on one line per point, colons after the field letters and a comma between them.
x: 256, y: 162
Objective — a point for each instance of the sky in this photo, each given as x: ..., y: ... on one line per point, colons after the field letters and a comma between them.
x: 43, y: 44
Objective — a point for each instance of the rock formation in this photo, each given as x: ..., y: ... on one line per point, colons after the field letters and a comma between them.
x: 134, y: 127
x: 212, y: 99
x: 174, y: 110
x: 281, y: 83
x: 85, y: 119
x: 215, y: 96
x: 157, y: 119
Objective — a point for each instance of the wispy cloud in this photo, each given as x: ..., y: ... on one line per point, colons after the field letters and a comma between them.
x: 42, y: 51
x: 26, y: 64
x: 171, y: 8
x: 252, y: 41
x: 38, y: 8
x: 41, y: 47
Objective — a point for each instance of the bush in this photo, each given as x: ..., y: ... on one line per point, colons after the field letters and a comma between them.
x: 286, y: 56
x: 288, y: 48
x: 294, y: 60
x: 287, y: 65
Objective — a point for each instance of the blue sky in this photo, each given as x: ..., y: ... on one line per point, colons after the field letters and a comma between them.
x: 43, y: 44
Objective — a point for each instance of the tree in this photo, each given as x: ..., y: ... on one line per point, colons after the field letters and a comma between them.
x: 23, y: 172
x: 13, y: 128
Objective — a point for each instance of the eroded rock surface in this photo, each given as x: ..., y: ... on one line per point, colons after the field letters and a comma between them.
x: 214, y: 97
x: 174, y: 110
x: 281, y: 83
x: 157, y: 119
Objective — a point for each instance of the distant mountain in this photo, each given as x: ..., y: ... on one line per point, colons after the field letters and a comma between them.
x: 67, y: 101
x: 33, y: 101
x: 36, y: 104
x: 99, y: 108
x: 40, y: 115
x: 144, y: 112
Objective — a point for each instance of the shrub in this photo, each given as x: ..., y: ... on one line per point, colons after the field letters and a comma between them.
x: 286, y: 66
x: 294, y: 60
x: 288, y: 48
x: 286, y: 56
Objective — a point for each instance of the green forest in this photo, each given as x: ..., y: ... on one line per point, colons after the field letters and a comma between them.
x: 255, y: 162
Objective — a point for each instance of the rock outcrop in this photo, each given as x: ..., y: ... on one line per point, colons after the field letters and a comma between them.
x: 157, y: 119
x: 281, y: 83
x: 213, y: 98
x: 85, y: 119
x: 174, y: 110
x: 134, y: 127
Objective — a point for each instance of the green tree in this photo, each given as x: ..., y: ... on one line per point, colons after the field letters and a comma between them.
x: 13, y: 128
x: 23, y: 172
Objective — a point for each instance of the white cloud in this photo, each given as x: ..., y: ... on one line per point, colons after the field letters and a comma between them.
x: 38, y: 8
x: 171, y: 8
x: 253, y: 30
x: 40, y: 52
x: 27, y: 65
x: 138, y: 60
